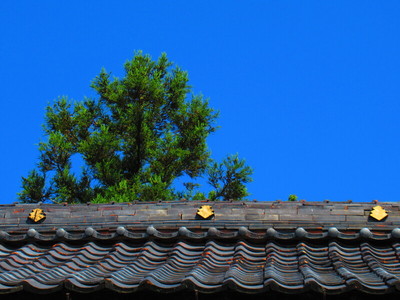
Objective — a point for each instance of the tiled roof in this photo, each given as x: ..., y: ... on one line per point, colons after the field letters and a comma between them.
x: 207, y: 266
x: 250, y: 247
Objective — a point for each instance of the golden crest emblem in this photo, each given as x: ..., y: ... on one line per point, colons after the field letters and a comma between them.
x: 378, y: 213
x: 205, y: 211
x: 37, y: 215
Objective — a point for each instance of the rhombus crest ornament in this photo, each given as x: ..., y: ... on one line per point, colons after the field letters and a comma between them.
x: 205, y: 211
x: 378, y: 213
x: 37, y: 215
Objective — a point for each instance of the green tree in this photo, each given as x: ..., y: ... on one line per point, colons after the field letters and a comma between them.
x: 228, y: 178
x: 143, y: 132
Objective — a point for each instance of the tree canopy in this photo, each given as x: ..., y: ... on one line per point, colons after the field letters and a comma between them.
x: 132, y: 142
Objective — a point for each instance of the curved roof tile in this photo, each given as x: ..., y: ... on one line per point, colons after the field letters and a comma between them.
x: 208, y: 266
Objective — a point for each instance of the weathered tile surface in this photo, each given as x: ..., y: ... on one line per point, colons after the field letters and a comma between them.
x: 248, y: 246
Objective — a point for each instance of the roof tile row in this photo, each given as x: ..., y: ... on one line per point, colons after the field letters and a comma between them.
x: 184, y: 233
x: 209, y: 266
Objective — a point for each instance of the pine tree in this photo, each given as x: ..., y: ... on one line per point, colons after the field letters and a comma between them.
x: 143, y: 132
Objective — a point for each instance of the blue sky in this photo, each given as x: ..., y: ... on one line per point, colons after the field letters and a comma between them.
x: 308, y: 91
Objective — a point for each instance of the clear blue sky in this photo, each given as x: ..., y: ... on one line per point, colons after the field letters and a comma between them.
x: 308, y: 91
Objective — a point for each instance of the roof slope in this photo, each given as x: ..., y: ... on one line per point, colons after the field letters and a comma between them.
x: 208, y: 267
x: 247, y: 246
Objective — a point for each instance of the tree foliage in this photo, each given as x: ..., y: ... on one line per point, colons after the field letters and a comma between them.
x: 228, y: 178
x: 139, y: 135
